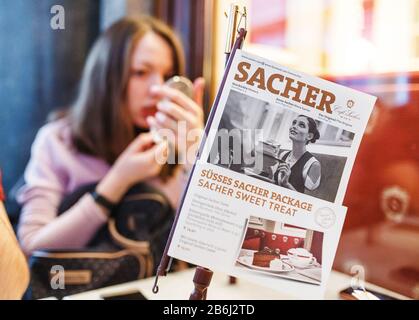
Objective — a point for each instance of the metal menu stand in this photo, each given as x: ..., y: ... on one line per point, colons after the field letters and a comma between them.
x: 203, y: 276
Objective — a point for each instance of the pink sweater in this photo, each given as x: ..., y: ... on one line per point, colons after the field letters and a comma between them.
x: 55, y: 169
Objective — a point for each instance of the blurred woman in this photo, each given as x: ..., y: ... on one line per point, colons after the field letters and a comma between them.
x: 105, y: 136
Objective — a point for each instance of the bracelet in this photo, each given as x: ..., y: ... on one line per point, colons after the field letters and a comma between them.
x: 101, y: 200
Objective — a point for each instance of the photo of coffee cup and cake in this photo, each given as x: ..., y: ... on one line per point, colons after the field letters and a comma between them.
x: 281, y: 250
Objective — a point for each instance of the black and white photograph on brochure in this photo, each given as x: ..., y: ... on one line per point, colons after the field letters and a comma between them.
x: 280, y: 146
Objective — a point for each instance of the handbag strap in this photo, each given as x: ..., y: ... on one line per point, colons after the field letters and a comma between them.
x: 142, y: 246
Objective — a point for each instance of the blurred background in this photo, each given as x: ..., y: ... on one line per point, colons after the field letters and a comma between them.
x: 369, y: 45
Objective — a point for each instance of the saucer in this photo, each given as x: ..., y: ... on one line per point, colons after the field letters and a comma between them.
x: 280, y: 267
x: 303, y: 265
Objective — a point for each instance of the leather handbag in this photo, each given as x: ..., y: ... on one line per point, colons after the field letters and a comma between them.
x: 126, y: 249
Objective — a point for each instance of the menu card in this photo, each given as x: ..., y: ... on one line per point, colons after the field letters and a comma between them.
x: 264, y: 199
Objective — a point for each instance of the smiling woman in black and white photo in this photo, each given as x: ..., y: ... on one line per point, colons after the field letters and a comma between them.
x: 299, y: 169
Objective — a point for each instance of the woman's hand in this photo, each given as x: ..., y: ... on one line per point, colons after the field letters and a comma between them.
x: 183, y: 116
x: 141, y: 160
x: 284, y: 174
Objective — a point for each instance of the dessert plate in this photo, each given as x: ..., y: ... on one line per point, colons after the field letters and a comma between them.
x: 280, y: 266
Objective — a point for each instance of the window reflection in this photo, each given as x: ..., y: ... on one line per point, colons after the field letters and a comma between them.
x: 372, y: 46
x: 337, y: 36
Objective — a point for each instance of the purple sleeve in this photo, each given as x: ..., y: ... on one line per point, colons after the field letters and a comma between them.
x: 39, y: 225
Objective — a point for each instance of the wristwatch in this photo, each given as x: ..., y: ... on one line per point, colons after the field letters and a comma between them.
x: 101, y: 200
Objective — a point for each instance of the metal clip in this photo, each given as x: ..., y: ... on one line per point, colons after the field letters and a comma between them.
x: 242, y: 15
x: 232, y: 25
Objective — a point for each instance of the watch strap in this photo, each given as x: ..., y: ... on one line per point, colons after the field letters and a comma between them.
x: 103, y: 201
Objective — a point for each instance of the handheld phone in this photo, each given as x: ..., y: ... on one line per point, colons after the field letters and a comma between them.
x: 181, y: 84
x: 185, y: 86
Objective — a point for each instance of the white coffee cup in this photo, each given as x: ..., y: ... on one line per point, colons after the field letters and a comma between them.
x: 301, y: 258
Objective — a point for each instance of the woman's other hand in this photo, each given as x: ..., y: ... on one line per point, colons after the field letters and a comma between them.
x: 182, y: 115
x: 141, y: 160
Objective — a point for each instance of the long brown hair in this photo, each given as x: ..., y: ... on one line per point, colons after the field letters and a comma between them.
x: 100, y: 119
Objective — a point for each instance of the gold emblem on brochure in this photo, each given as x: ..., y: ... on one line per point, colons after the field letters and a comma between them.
x: 350, y: 104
